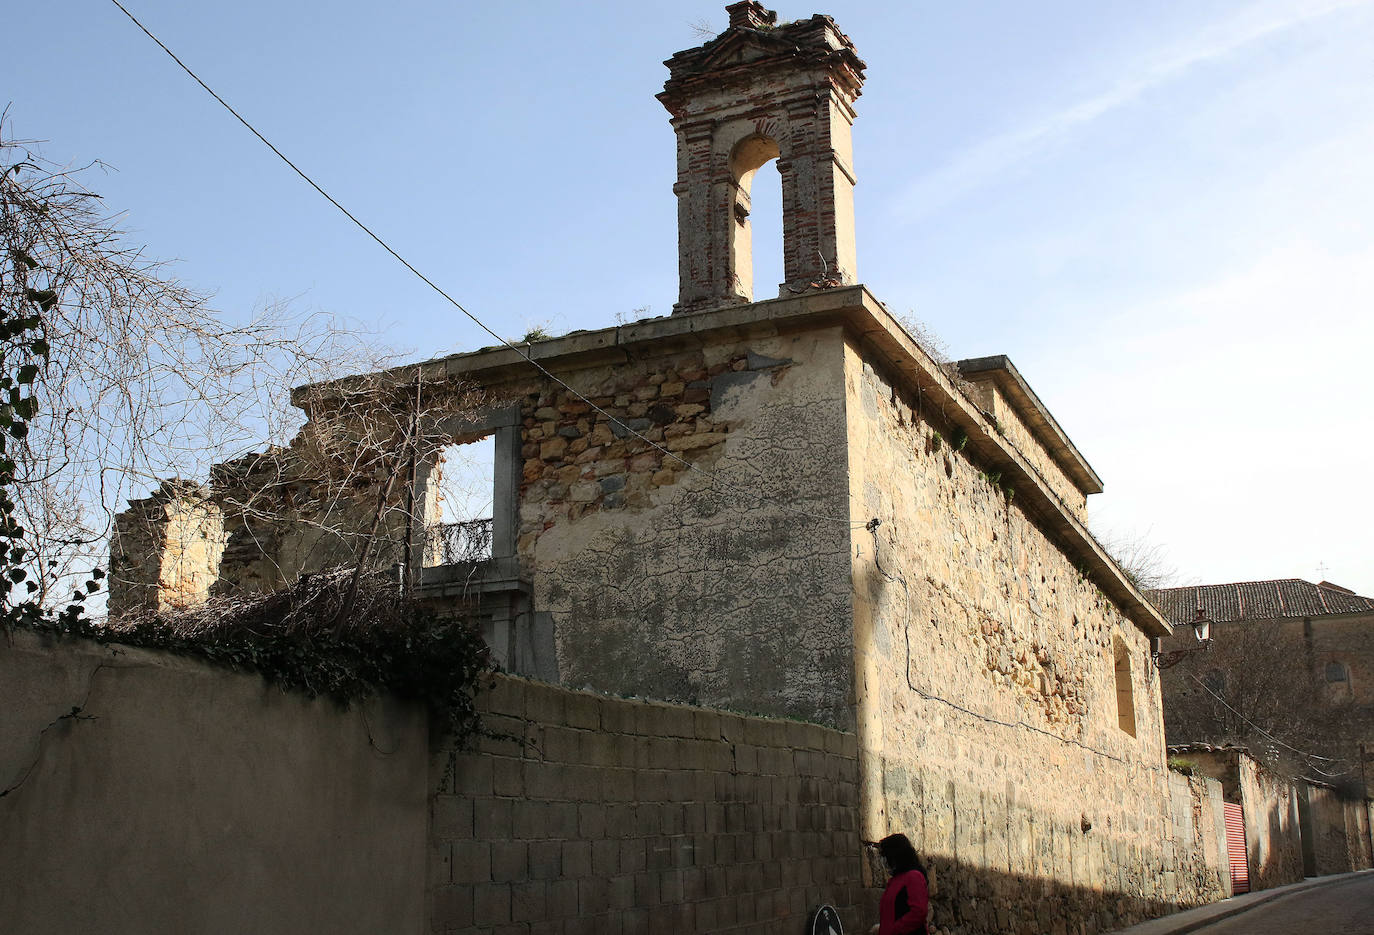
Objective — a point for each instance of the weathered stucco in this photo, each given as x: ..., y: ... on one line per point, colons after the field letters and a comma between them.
x: 147, y: 793
x: 987, y: 691
x: 713, y: 586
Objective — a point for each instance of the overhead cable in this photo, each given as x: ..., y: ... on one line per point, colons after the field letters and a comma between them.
x: 712, y: 476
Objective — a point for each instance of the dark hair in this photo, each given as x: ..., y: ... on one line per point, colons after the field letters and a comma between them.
x: 899, y: 855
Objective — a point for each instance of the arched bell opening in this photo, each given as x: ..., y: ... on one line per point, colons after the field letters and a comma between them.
x: 749, y: 156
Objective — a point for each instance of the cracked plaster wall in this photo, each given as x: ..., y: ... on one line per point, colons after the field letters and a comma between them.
x: 664, y: 582
x: 987, y: 698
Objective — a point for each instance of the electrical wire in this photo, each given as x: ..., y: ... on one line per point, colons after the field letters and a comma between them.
x: 710, y: 475
x: 1307, y: 757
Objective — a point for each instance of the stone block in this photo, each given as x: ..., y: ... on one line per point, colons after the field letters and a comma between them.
x: 546, y: 859
x: 491, y: 903
x: 560, y: 900
x: 529, y: 901
x: 452, y: 815
x: 605, y: 857
x: 646, y: 892
x: 509, y: 861
x: 591, y: 821
x: 508, y: 776
x: 494, y: 821
x: 633, y: 855
x: 583, y: 710
x: 472, y: 776
x: 471, y: 862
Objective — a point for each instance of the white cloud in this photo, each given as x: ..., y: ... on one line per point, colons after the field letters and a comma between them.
x: 992, y: 158
x: 1259, y: 382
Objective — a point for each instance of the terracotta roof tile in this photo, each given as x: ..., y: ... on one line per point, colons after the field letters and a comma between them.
x: 1257, y: 600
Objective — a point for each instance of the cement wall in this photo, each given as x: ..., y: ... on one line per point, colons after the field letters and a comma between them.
x: 1273, y: 833
x: 148, y: 793
x: 1271, y: 807
x: 1340, y: 839
x: 608, y: 815
x: 990, y: 712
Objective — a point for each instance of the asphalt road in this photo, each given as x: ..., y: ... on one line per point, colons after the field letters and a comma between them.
x: 1345, y: 908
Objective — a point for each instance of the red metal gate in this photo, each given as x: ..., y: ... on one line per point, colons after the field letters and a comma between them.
x: 1235, y: 848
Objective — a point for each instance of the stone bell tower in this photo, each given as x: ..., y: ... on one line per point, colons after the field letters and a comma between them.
x: 756, y: 92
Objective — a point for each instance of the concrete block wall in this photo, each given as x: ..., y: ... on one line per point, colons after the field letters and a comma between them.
x: 605, y: 815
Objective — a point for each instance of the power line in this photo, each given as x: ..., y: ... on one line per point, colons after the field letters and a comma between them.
x: 710, y: 475
x: 1302, y: 753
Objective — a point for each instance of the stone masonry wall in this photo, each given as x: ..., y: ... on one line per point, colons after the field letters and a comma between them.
x: 1015, y: 430
x: 1270, y: 806
x: 989, y: 720
x: 166, y: 549
x: 606, y: 815
x: 728, y: 588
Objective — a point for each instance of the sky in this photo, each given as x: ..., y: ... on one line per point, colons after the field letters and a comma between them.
x: 1162, y: 212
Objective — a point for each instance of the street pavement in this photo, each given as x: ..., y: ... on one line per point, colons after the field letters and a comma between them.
x: 1342, y: 904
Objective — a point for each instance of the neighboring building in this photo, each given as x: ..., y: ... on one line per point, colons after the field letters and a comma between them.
x: 1279, y: 830
x: 1289, y: 674
x: 788, y: 507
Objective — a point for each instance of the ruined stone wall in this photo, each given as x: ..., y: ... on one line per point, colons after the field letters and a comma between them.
x: 1015, y: 430
x: 990, y: 714
x: 166, y: 549
x: 723, y: 588
x: 608, y: 815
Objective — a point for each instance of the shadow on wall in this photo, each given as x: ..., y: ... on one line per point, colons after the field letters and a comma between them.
x: 979, y: 901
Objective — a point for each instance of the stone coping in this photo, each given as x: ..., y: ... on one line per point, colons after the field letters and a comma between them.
x: 875, y: 332
x: 1000, y: 370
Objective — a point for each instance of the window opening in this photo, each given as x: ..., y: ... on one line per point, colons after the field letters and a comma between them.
x: 458, y: 512
x: 1336, y: 672
x: 1125, y: 694
x: 766, y: 220
x: 757, y: 218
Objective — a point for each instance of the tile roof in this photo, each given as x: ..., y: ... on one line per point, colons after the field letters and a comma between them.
x: 1257, y: 600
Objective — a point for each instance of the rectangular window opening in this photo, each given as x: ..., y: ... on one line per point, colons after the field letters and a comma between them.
x: 458, y: 504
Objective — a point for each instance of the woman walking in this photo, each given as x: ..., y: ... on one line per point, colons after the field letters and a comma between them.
x: 902, y: 910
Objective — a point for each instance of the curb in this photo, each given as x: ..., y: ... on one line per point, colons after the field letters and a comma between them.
x: 1190, y: 920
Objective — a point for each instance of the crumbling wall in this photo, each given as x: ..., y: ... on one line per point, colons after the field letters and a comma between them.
x: 166, y: 549
x: 602, y: 814
x: 991, y: 716
x: 1340, y: 836
x: 726, y: 586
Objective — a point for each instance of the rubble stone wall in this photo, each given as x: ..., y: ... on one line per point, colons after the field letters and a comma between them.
x: 989, y: 701
x: 166, y: 549
x: 726, y: 586
x: 1272, y: 828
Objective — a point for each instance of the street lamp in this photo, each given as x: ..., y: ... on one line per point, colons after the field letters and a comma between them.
x: 1202, y: 630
